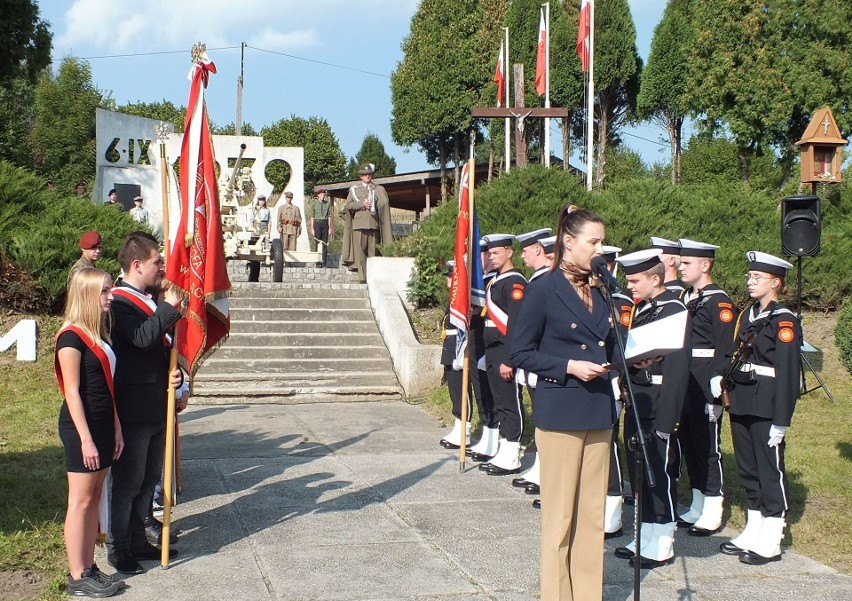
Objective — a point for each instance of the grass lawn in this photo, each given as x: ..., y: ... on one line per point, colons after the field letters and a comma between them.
x: 32, y: 474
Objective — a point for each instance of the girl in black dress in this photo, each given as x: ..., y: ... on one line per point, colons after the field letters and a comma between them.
x: 88, y: 424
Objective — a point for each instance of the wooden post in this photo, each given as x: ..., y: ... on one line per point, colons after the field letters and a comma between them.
x: 520, y: 129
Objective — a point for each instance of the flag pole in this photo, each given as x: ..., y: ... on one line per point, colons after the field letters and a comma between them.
x: 547, y: 82
x: 590, y: 108
x: 508, y: 142
x: 465, y: 398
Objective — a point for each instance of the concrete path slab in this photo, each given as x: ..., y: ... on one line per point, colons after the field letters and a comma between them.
x: 357, y: 502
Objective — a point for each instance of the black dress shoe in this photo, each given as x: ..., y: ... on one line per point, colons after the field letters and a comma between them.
x: 124, y: 562
x: 154, y: 532
x: 629, y: 500
x: 645, y: 563
x: 730, y: 548
x: 449, y: 445
x: 616, y: 534
x: 753, y: 559
x: 149, y: 551
x: 696, y: 531
x: 533, y: 489
x: 494, y: 470
x: 484, y: 466
x: 520, y: 482
x: 684, y: 524
x: 536, y: 503
x: 623, y: 553
x: 481, y: 457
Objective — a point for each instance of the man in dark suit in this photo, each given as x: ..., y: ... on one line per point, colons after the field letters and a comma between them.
x: 141, y: 344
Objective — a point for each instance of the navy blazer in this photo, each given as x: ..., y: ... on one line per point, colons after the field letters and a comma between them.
x: 553, y: 327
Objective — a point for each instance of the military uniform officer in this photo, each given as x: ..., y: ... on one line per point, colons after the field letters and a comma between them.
x: 502, y: 303
x: 366, y: 221
x: 712, y: 330
x: 320, y: 211
x: 289, y: 223
x: 453, y: 375
x: 138, y: 212
x: 659, y: 388
x: 670, y: 256
x: 90, y: 247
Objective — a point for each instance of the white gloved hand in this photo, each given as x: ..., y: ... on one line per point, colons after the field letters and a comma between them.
x: 480, y: 365
x: 713, y: 412
x: 776, y: 435
x: 663, y: 435
x: 716, y: 386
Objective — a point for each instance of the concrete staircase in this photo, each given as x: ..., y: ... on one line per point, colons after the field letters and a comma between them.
x: 309, y: 339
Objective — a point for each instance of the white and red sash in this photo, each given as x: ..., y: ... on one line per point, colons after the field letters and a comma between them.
x: 103, y: 353
x: 143, y: 302
x: 495, y: 313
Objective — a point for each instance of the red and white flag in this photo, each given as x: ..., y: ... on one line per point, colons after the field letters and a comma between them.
x: 583, y: 33
x: 541, y: 58
x: 460, y: 282
x: 500, y: 77
x: 196, y: 262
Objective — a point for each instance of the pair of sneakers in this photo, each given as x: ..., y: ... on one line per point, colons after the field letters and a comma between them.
x: 93, y: 583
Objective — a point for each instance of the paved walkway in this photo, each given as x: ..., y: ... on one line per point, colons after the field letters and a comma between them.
x: 356, y: 501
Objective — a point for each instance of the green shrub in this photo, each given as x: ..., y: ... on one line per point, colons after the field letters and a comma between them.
x: 843, y: 336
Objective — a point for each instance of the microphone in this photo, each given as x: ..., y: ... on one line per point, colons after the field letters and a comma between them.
x: 600, y: 269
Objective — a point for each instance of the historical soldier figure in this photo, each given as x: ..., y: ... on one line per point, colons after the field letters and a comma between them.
x: 289, y: 223
x: 261, y: 216
x: 139, y: 213
x: 366, y: 221
x: 90, y: 247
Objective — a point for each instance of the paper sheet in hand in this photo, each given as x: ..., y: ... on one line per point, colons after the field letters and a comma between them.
x: 658, y: 338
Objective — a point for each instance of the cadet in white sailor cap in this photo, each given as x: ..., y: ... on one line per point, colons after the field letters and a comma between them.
x: 548, y: 245
x: 502, y: 303
x: 659, y: 389
x: 671, y: 260
x: 712, y: 335
x: 763, y: 399
x: 452, y: 375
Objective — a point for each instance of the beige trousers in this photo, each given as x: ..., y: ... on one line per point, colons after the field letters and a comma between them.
x: 364, y: 246
x: 574, y: 472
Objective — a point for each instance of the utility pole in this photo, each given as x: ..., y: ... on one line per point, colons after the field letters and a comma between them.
x: 238, y: 124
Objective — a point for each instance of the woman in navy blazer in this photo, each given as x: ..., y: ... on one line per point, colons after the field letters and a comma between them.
x: 564, y: 334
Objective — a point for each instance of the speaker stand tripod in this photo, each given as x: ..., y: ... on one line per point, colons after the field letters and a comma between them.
x: 805, y: 362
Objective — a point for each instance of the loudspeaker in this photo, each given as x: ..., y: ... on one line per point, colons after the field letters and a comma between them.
x: 800, y: 226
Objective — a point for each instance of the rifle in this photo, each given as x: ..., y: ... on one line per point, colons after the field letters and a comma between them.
x: 739, y: 358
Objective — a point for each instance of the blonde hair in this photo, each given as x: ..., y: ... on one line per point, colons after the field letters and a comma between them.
x: 83, y: 305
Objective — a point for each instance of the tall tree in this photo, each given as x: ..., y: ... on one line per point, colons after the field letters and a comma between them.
x: 162, y: 110
x: 25, y: 40
x: 663, y: 81
x: 17, y: 117
x: 372, y: 151
x: 63, y: 139
x: 324, y: 160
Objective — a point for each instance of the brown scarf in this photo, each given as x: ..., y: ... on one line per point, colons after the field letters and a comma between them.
x: 579, y: 279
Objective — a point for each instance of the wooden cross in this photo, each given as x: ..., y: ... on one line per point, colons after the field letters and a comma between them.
x: 520, y: 113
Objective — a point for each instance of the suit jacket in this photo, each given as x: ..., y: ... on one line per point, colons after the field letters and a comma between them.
x: 553, y: 327
x: 142, y: 360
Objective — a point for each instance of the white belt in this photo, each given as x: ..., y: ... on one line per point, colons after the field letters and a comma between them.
x: 490, y: 324
x: 658, y: 380
x: 704, y: 353
x: 453, y: 332
x: 760, y: 370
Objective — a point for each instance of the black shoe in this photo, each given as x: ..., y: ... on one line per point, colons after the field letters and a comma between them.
x: 449, y: 445
x: 536, y: 503
x: 616, y: 534
x: 730, y: 548
x: 151, y: 552
x: 533, y: 489
x: 623, y: 553
x: 696, y: 531
x: 154, y: 532
x: 629, y: 500
x: 483, y: 466
x: 481, y: 457
x: 681, y: 523
x: 124, y: 562
x: 646, y: 563
x: 112, y: 578
x: 495, y: 470
x: 91, y: 584
x: 520, y: 482
x: 753, y: 559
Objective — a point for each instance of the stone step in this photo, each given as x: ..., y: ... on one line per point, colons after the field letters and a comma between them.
x: 301, y: 314
x: 274, y: 289
x: 314, y: 302
x: 301, y: 327
x: 212, y: 381
x: 289, y: 365
x: 302, y: 396
x: 285, y: 291
x: 262, y: 353
x: 263, y: 339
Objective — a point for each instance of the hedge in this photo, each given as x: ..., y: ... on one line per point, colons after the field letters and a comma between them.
x: 731, y: 215
x: 843, y: 335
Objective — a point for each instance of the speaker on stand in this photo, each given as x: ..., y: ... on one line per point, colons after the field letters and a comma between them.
x: 801, y: 229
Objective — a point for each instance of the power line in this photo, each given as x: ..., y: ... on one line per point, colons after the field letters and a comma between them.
x: 87, y: 58
x: 311, y: 60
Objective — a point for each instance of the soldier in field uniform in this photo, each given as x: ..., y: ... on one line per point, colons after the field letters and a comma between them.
x: 289, y: 223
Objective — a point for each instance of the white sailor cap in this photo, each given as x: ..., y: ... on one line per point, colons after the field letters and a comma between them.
x: 691, y: 248
x: 451, y: 267
x: 548, y: 244
x: 758, y: 261
x: 641, y: 260
x: 531, y: 238
x: 483, y: 244
x: 498, y: 240
x: 610, y: 252
x: 668, y: 247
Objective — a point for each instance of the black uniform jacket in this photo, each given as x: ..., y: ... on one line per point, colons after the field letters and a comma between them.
x: 660, y: 390
x: 506, y: 291
x: 142, y: 360
x: 553, y: 327
x: 777, y: 347
x: 713, y: 320
x: 448, y: 348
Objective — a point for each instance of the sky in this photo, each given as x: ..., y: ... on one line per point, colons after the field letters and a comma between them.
x: 324, y: 58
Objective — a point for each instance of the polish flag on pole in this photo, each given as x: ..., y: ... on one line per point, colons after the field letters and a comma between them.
x: 499, y: 77
x: 583, y: 33
x: 460, y: 283
x: 541, y: 58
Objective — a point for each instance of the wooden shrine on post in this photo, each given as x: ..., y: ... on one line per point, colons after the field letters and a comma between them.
x: 520, y: 114
x: 820, y: 148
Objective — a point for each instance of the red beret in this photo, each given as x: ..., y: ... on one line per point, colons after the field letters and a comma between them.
x: 89, y: 240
